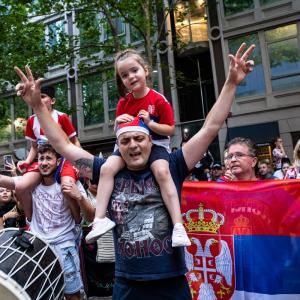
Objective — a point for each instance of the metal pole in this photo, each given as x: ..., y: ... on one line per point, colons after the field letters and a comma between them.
x: 201, y: 91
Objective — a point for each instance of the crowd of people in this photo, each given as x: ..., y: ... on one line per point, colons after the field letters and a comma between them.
x: 277, y: 166
x: 115, y: 223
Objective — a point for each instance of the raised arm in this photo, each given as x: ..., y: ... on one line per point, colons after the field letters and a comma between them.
x: 7, y: 182
x: 239, y: 67
x: 30, y: 90
x: 32, y: 153
x: 75, y: 141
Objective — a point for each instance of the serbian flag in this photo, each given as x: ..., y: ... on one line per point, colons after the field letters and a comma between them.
x: 245, y: 239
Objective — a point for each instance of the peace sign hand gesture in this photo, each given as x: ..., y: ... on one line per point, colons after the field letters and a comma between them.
x: 29, y: 89
x: 239, y: 66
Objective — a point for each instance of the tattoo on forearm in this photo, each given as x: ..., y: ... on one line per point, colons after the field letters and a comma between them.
x: 85, y: 166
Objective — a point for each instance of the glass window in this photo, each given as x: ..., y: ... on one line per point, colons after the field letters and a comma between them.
x: 120, y: 28
x: 254, y: 83
x: 281, y: 33
x: 135, y: 35
x: 61, y: 96
x: 113, y: 98
x: 232, y: 7
x: 21, y: 116
x: 54, y: 33
x: 92, y: 97
x: 88, y: 25
x: 155, y: 80
x: 5, y: 120
x: 191, y: 21
x: 266, y: 2
x: 284, y: 57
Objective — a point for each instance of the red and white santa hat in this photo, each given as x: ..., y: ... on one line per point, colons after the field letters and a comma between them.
x: 137, y: 124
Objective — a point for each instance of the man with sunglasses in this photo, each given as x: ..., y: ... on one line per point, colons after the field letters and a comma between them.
x: 241, y: 158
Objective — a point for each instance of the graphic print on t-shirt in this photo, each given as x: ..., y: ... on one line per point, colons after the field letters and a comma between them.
x: 52, y: 208
x: 141, y: 217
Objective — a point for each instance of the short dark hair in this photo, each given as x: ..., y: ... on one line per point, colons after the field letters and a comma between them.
x: 285, y: 160
x: 47, y: 148
x: 49, y: 91
x: 244, y: 141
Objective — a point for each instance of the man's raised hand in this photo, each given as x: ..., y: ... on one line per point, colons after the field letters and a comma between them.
x: 239, y: 65
x: 29, y: 89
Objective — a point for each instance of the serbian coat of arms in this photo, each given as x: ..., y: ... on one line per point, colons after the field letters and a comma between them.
x: 210, y: 258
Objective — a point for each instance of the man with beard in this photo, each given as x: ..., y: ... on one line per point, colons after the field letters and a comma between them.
x: 265, y: 170
x: 53, y: 218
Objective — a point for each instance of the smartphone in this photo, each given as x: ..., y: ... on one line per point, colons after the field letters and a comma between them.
x: 8, y: 160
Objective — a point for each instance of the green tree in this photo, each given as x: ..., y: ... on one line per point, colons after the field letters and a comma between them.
x: 31, y: 36
x: 23, y: 39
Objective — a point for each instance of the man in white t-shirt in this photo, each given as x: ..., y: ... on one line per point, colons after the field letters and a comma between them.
x: 53, y: 218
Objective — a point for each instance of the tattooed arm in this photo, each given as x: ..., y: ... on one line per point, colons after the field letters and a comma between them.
x: 85, y: 166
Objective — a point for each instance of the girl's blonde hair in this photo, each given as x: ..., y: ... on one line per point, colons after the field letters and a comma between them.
x: 135, y: 55
x: 297, y: 154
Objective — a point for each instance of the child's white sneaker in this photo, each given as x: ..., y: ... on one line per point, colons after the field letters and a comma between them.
x: 179, y: 236
x: 100, y: 226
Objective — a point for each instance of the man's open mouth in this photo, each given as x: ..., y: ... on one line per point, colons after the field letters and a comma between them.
x: 135, y: 154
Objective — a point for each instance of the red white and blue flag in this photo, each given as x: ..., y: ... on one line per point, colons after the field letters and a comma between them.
x: 245, y: 239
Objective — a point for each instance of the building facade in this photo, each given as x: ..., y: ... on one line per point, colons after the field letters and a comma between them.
x: 267, y: 103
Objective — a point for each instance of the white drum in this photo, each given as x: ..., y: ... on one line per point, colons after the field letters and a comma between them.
x: 29, y: 269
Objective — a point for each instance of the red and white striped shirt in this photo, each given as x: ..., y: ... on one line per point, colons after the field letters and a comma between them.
x: 35, y: 133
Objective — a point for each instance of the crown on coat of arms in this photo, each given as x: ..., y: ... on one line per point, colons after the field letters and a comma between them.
x: 203, y: 220
x: 241, y: 221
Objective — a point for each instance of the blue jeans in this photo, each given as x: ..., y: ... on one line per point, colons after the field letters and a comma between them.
x: 70, y: 260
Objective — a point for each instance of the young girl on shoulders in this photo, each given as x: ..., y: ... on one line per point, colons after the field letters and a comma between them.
x: 138, y: 99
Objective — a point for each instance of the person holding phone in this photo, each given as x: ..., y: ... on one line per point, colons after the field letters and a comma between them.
x: 9, y: 165
x: 8, y: 160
